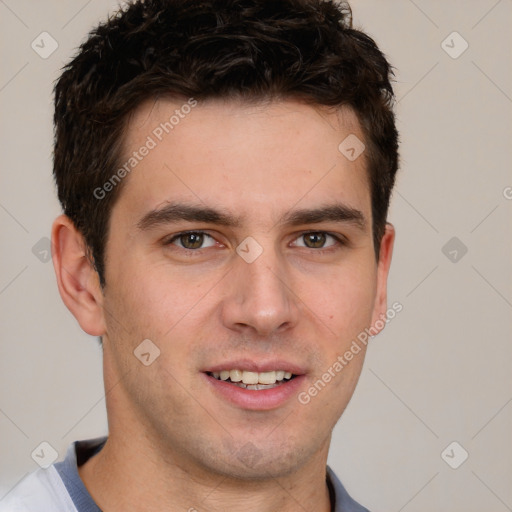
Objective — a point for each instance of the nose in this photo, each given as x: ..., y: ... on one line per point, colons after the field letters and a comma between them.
x: 259, y: 300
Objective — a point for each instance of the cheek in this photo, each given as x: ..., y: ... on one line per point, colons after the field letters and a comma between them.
x: 147, y: 304
x: 345, y: 300
x: 150, y: 301
x: 346, y: 307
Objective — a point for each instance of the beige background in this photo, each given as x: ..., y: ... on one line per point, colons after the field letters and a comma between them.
x: 441, y: 370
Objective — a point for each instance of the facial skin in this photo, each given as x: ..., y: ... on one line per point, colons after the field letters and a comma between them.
x: 175, y: 442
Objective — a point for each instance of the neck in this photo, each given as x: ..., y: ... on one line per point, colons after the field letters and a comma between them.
x: 132, y: 476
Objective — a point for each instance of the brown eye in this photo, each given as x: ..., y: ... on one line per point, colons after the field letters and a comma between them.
x: 314, y: 240
x: 318, y: 240
x: 193, y: 240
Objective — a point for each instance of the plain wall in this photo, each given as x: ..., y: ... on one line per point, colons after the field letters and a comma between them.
x: 441, y: 370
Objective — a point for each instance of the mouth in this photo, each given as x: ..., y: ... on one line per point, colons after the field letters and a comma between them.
x: 255, y: 381
x: 261, y: 386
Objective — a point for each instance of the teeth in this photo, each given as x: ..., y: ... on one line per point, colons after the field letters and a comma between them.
x: 257, y: 387
x: 252, y: 380
x: 249, y: 377
x: 267, y: 378
x: 235, y: 375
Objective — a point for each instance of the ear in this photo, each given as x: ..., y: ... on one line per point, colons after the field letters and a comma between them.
x: 386, y: 251
x: 78, y: 281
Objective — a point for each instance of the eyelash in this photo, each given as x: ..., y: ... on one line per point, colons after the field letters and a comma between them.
x: 184, y: 233
x: 340, y: 241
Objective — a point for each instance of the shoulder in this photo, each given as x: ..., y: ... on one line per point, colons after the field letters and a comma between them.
x: 343, y: 501
x: 40, y: 491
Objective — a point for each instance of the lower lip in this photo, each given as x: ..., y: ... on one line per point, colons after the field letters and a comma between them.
x: 257, y: 400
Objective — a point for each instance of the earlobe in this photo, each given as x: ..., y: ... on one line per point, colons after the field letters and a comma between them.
x: 385, y: 254
x: 77, y: 279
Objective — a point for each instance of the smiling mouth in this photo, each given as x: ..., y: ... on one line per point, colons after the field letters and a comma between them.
x: 253, y: 380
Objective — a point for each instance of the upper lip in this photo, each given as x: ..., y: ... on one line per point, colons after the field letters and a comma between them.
x: 253, y: 365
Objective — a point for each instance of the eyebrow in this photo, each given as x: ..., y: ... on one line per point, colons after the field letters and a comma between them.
x: 332, y: 213
x: 175, y: 212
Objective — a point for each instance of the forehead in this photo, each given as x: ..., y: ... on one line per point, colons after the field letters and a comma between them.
x: 246, y: 156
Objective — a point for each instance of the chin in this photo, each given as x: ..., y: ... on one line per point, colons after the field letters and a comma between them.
x: 249, y: 461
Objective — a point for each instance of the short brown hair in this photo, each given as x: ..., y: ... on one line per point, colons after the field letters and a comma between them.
x: 245, y: 49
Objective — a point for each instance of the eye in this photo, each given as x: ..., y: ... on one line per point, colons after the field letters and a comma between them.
x: 316, y: 240
x: 192, y: 240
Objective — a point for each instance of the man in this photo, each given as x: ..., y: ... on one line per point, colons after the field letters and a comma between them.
x: 225, y: 170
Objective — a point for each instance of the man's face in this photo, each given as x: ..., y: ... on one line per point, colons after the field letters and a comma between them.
x: 242, y: 241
